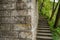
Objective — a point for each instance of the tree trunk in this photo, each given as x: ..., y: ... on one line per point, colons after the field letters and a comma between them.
x: 57, y: 17
x: 52, y: 10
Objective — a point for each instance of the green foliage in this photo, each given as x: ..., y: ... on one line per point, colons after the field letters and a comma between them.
x: 39, y: 3
x: 47, y: 11
x: 56, y: 34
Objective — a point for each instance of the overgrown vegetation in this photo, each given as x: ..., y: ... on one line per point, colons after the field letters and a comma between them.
x: 46, y: 11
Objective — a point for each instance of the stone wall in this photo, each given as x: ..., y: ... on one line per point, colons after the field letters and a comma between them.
x: 18, y: 19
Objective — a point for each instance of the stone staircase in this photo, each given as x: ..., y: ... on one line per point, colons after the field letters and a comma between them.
x: 43, y: 30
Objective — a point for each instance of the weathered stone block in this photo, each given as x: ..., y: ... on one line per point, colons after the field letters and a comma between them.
x: 16, y: 19
x: 8, y: 39
x: 14, y: 13
x: 22, y: 12
x: 26, y: 34
x: 1, y: 6
x: 7, y: 20
x: 9, y: 6
x: 8, y: 34
x: 5, y: 13
x: 15, y: 35
x: 6, y: 26
x: 22, y: 27
x: 5, y: 1
x: 21, y: 5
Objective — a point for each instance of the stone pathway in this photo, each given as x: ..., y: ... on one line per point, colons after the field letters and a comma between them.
x: 43, y: 30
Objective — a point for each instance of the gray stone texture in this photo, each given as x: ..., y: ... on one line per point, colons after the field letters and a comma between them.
x: 15, y: 24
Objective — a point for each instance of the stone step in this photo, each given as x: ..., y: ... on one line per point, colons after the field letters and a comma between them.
x: 42, y: 19
x: 44, y: 31
x: 44, y: 37
x: 44, y: 34
x: 43, y: 28
x: 43, y: 24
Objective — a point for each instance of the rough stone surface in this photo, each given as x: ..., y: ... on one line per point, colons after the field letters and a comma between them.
x: 18, y: 20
